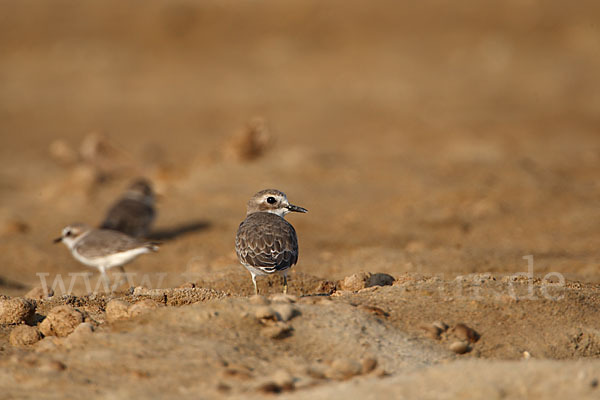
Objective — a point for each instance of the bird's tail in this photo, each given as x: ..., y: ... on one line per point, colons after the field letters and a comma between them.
x: 152, y: 246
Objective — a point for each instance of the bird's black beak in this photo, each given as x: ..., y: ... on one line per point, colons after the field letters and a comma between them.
x: 294, y: 208
x: 58, y: 239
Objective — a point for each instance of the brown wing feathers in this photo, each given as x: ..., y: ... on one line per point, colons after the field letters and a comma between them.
x: 267, y: 241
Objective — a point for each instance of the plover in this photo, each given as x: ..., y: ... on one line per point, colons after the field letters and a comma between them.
x: 103, y: 248
x: 265, y: 242
x: 134, y: 212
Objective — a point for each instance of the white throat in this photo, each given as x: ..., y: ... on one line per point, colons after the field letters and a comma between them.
x: 282, y: 212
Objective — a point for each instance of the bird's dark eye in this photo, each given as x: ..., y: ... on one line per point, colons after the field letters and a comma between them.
x: 271, y: 200
x: 68, y: 233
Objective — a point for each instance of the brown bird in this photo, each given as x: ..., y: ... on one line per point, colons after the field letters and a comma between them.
x: 102, y: 248
x: 134, y: 213
x: 265, y: 242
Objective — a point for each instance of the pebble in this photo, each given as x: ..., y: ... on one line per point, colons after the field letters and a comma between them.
x: 15, y: 310
x: 368, y: 364
x: 278, y: 330
x: 342, y: 369
x: 373, y: 310
x: 52, y: 366
x: 316, y: 372
x: 460, y: 347
x: 326, y: 287
x: 24, y: 335
x: 38, y: 293
x: 354, y: 282
x: 283, y: 298
x: 280, y: 381
x: 441, y: 325
x: 286, y: 312
x: 61, y: 152
x: 250, y: 142
x: 431, y: 331
x: 435, y: 329
x: 48, y: 344
x: 83, y: 330
x: 61, y: 321
x: 283, y: 379
x: 117, y: 310
x: 463, y: 332
x: 259, y: 300
x: 142, y: 307
x: 12, y: 226
x: 265, y: 313
x: 380, y: 279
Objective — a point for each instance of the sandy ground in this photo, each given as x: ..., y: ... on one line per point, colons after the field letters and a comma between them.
x: 439, y: 143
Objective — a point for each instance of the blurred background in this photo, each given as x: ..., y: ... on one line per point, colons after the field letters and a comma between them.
x: 430, y: 137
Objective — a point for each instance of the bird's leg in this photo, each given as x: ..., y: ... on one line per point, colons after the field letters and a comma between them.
x: 285, y: 285
x: 255, y: 287
x: 121, y: 277
x: 104, y: 277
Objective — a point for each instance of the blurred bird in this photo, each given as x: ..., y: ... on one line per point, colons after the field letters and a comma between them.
x: 103, y: 248
x: 134, y: 212
x: 265, y: 242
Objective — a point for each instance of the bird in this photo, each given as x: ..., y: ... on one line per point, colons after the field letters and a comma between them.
x: 103, y: 248
x: 133, y: 213
x: 265, y: 242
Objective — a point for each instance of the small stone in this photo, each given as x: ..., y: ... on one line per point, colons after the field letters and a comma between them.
x: 326, y: 287
x: 280, y: 381
x: 117, y: 310
x: 259, y: 300
x: 368, y: 364
x: 237, y: 371
x: 268, y: 387
x: 285, y: 312
x: 15, y: 310
x: 38, y: 293
x: 460, y: 347
x: 61, y: 321
x: 48, y: 344
x: 441, y: 325
x: 431, y: 331
x: 187, y: 285
x: 278, y: 330
x: 265, y: 313
x: 250, y: 142
x: 463, y: 332
x: 13, y: 225
x: 526, y: 355
x: 342, y: 369
x: 24, y: 335
x: 316, y: 372
x: 380, y: 279
x: 354, y: 282
x: 61, y: 152
x: 142, y: 307
x: 283, y: 379
x: 223, y: 387
x: 52, y: 366
x: 83, y: 330
x: 283, y: 298
x: 373, y: 310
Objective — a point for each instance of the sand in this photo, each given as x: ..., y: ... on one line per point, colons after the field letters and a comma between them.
x: 453, y: 147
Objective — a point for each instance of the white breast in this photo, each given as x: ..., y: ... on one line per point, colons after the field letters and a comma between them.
x: 113, y: 260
